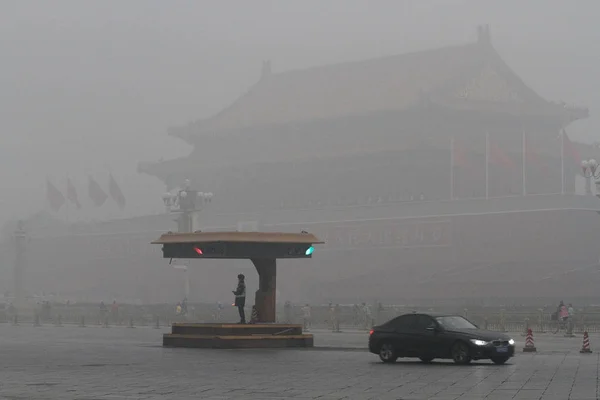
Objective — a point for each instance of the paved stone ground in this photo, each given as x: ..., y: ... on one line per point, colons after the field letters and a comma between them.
x: 120, y: 363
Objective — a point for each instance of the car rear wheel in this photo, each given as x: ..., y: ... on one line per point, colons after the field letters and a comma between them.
x: 387, y: 353
x: 499, y: 360
x: 426, y: 360
x: 460, y: 353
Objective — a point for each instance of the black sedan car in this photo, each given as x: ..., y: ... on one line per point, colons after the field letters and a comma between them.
x: 429, y: 336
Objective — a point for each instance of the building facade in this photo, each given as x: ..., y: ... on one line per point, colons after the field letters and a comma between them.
x: 436, y: 174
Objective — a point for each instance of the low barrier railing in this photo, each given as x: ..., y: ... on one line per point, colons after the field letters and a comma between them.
x: 321, y: 317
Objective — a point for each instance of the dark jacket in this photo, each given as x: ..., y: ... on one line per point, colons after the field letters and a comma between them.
x: 240, y: 294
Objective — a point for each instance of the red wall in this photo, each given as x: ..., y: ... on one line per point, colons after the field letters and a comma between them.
x: 526, y: 254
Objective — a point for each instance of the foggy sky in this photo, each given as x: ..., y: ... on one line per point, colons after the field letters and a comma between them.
x: 91, y: 87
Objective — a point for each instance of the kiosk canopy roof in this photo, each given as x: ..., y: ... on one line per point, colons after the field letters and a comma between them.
x: 245, y: 237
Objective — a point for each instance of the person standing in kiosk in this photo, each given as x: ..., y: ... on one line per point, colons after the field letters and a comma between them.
x: 240, y: 297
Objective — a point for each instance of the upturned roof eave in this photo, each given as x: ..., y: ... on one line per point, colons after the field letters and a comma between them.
x: 192, y: 137
x: 183, y: 132
x: 200, y: 127
x: 541, y: 110
x: 534, y: 103
x: 545, y: 110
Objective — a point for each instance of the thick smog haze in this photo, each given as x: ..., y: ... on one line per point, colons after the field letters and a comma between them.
x: 92, y: 87
x: 378, y: 180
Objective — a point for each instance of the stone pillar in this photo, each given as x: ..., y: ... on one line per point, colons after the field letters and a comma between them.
x: 265, y: 295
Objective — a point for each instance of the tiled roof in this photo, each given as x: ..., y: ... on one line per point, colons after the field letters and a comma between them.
x: 462, y: 74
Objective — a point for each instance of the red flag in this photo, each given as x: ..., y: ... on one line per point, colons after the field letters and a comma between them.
x: 530, y: 155
x: 54, y: 196
x: 96, y: 193
x: 115, y: 192
x: 72, y: 193
x: 459, y: 154
x: 532, y: 158
x: 499, y: 157
x: 570, y: 149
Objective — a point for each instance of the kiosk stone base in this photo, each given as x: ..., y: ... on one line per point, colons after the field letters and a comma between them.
x: 237, y: 336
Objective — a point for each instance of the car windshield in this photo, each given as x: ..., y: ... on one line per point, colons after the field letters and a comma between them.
x: 456, y: 322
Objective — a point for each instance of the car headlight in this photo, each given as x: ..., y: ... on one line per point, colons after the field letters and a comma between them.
x: 478, y: 342
x: 511, y: 341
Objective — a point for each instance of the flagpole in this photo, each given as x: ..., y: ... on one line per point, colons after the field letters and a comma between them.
x: 47, y: 205
x: 487, y: 167
x: 452, y: 168
x: 562, y: 162
x: 524, y: 164
x: 66, y: 212
x: 67, y: 202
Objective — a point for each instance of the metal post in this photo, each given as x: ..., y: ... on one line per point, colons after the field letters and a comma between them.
x: 20, y: 239
x: 525, y: 150
x: 487, y: 165
x: 562, y: 162
x: 186, y: 289
x: 452, y: 161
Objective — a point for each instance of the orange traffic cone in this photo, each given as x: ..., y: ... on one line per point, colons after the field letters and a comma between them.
x: 586, y: 343
x: 529, y: 345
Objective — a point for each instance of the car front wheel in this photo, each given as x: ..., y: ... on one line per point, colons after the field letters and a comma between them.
x: 460, y: 353
x: 499, y: 360
x: 387, y: 353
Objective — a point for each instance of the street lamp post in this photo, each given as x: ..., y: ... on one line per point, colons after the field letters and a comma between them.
x: 186, y: 288
x: 186, y: 202
x: 590, y: 170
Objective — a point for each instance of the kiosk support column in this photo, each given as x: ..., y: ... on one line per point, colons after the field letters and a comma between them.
x: 265, y: 295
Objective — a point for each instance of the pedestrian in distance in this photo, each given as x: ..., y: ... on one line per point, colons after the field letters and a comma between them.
x: 306, y: 317
x: 337, y: 310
